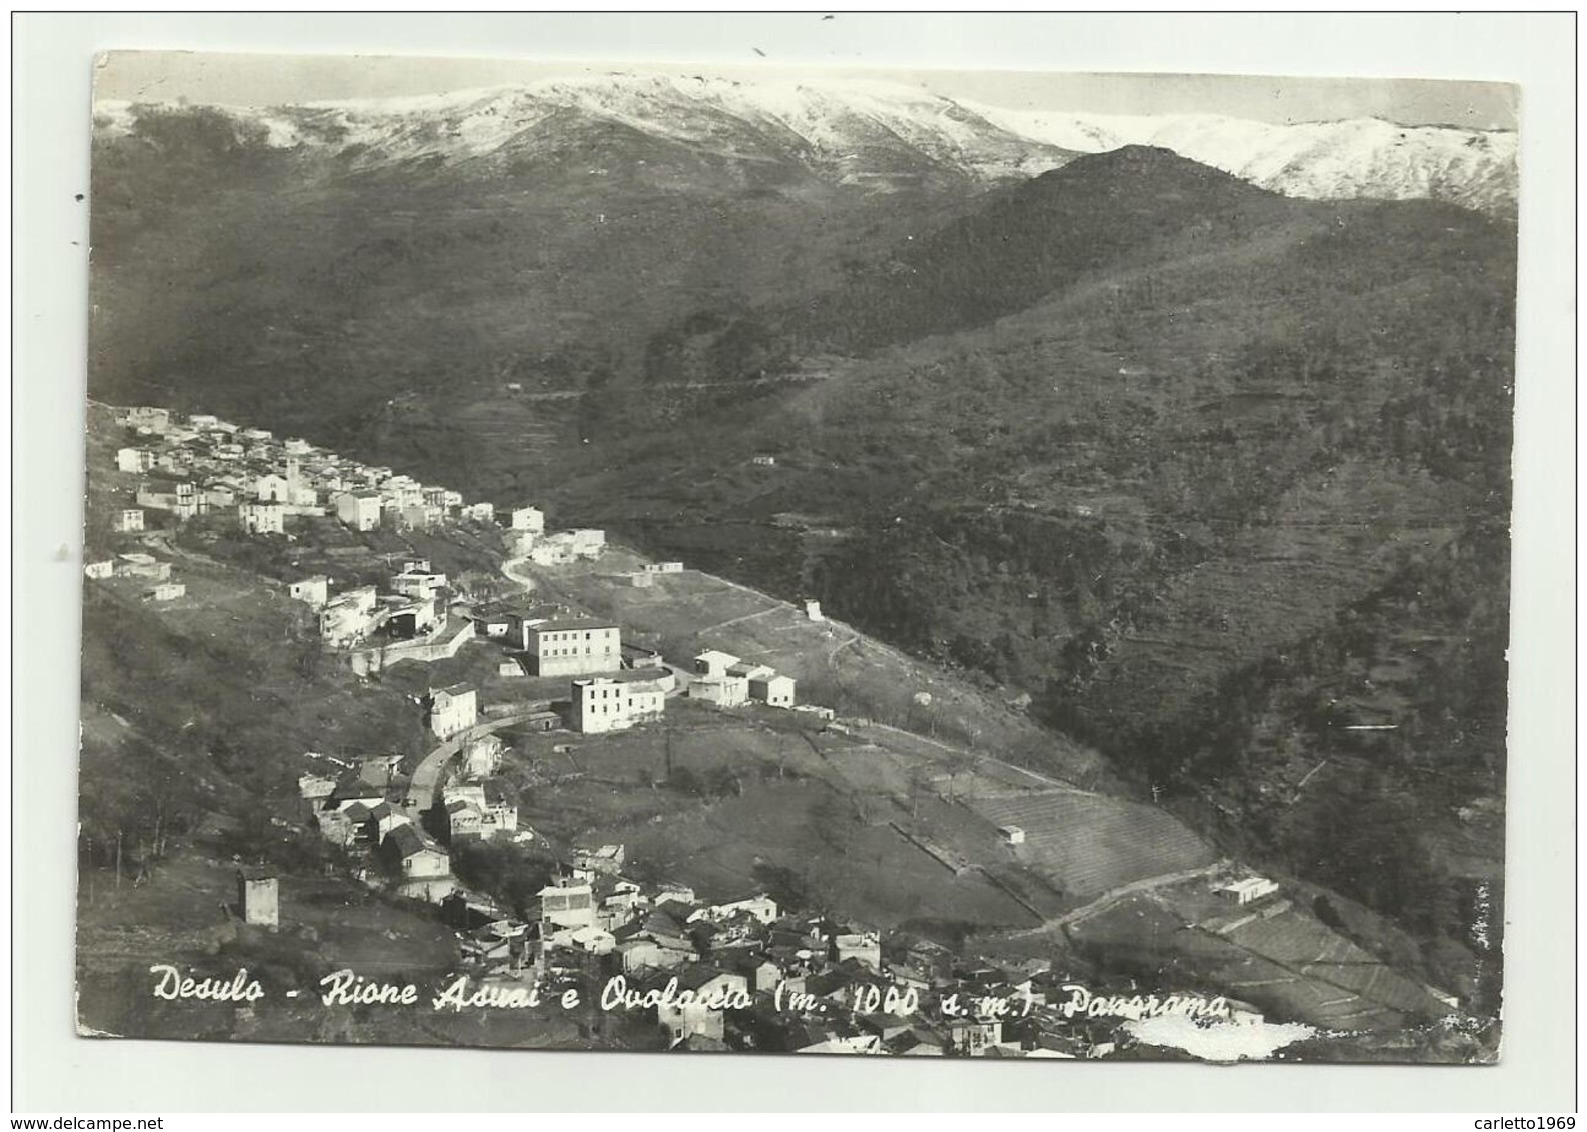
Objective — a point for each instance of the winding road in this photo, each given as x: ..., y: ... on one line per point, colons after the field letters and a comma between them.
x: 424, y: 788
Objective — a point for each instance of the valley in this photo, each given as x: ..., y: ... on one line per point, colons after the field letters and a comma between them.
x: 1169, y: 460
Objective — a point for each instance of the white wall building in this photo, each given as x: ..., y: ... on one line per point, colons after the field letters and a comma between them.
x: 262, y: 518
x: 316, y: 590
x: 722, y: 691
x: 358, y: 509
x: 453, y: 709
x: 134, y: 460
x: 530, y: 519
x: 601, y: 704
x: 773, y: 690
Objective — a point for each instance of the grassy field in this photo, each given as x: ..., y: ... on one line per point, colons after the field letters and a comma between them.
x: 855, y: 866
x: 835, y: 665
x: 180, y: 916
x: 1088, y: 844
x: 819, y: 805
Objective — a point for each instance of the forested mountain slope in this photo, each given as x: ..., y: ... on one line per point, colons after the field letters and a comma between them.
x: 1209, y: 476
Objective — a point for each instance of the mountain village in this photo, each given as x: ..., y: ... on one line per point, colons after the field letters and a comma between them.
x: 713, y: 971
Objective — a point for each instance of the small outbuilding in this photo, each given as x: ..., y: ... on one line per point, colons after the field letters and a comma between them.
x: 259, y: 896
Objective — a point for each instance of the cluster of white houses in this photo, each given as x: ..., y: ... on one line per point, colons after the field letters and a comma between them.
x: 726, y: 681
x: 747, y: 973
x: 202, y: 465
x: 414, y: 606
x: 137, y: 564
x: 615, y: 685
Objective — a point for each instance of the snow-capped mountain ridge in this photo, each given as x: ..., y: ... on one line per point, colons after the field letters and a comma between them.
x: 871, y: 133
x: 1355, y: 157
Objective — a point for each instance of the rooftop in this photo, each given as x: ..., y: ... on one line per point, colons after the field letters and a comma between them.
x: 560, y: 626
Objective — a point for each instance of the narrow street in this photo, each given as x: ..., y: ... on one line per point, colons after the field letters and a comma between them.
x: 424, y: 787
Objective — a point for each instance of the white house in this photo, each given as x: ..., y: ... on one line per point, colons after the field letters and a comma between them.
x: 601, y: 704
x: 463, y: 819
x: 348, y: 617
x: 482, y: 756
x: 530, y: 519
x: 587, y: 542
x: 420, y: 516
x: 554, y: 551
x: 100, y: 569
x: 417, y: 580
x: 1248, y: 890
x: 701, y: 1014
x: 762, y: 907
x: 134, y: 460
x: 566, y: 906
x: 168, y: 591
x: 714, y: 663
x: 414, y: 854
x: 384, y: 818
x: 128, y: 520
x: 722, y: 691
x: 359, y: 509
x: 453, y: 709
x: 773, y: 690
x: 262, y: 518
x: 316, y: 590
x: 864, y: 946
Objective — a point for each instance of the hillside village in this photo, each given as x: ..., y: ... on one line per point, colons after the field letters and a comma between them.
x: 761, y: 975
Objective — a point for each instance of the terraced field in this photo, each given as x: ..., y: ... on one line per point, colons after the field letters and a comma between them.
x: 1308, y: 946
x: 1086, y: 844
x: 1291, y: 966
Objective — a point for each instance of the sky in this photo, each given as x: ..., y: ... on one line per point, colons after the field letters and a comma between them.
x: 267, y: 80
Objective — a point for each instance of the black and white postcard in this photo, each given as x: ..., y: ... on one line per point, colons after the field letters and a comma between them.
x: 994, y: 565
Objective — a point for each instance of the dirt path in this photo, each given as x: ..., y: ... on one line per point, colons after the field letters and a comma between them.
x: 1114, y: 895
x: 750, y: 382
x: 738, y: 620
x: 976, y: 757
x: 509, y: 570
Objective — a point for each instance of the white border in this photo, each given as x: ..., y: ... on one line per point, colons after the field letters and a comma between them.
x: 58, y: 1072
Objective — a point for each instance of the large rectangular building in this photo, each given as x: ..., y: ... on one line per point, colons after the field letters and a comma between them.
x: 572, y: 648
x: 600, y: 704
